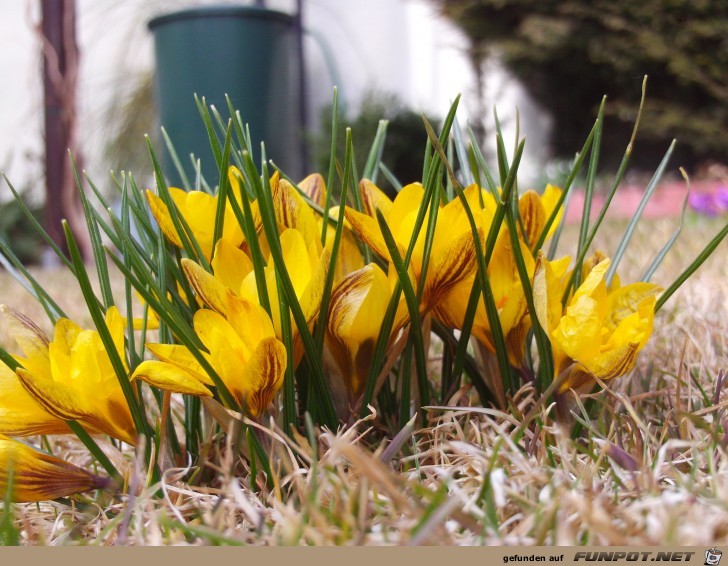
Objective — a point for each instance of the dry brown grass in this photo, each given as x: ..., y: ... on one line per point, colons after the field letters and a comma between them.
x: 652, y: 469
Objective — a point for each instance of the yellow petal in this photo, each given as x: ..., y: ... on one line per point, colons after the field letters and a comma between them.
x: 30, y: 338
x: 313, y: 293
x: 182, y: 358
x: 454, y: 264
x: 37, y: 476
x: 250, y: 321
x: 20, y: 414
x: 293, y: 212
x: 164, y: 220
x: 358, y: 304
x: 296, y: 257
x: 263, y: 375
x: 212, y: 292
x: 373, y: 198
x: 115, y: 324
x: 170, y: 378
x: 228, y: 353
x: 624, y: 301
x: 579, y: 333
x: 367, y: 228
x: 55, y: 399
x: 608, y: 365
x: 230, y: 264
x: 533, y: 216
x: 406, y: 202
x: 314, y: 187
x: 549, y: 200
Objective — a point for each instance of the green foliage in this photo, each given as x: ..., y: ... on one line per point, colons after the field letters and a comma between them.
x: 15, y: 228
x: 568, y: 54
x: 402, y: 153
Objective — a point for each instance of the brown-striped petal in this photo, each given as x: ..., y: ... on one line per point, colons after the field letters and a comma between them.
x: 170, y: 378
x: 263, y: 375
x: 35, y: 476
x: 210, y: 290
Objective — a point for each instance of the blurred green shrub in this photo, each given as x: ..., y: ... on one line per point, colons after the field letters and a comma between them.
x: 20, y: 234
x: 568, y: 54
x: 403, y: 149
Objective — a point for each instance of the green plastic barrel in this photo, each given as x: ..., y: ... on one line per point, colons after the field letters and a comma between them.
x: 247, y: 53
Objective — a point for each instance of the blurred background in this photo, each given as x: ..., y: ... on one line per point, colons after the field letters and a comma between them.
x: 395, y: 59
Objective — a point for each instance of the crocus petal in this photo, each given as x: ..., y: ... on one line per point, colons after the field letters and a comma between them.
x: 293, y: 212
x: 57, y: 400
x: 310, y: 299
x: 115, y: 324
x: 228, y: 353
x: 358, y: 304
x: 533, y: 216
x: 314, y: 187
x: 170, y: 378
x: 297, y: 259
x: 549, y: 200
x: 607, y: 365
x: 368, y: 230
x: 250, y: 321
x: 263, y: 375
x: 230, y: 264
x: 20, y: 414
x: 579, y: 332
x: 164, y: 220
x: 624, y: 301
x: 212, y: 292
x: 373, y: 198
x: 182, y: 358
x: 38, y: 477
x: 406, y: 202
x: 29, y: 337
x: 446, y: 269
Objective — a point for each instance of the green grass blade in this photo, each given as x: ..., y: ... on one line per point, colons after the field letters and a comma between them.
x: 375, y: 153
x: 16, y: 268
x: 390, y: 177
x: 289, y: 384
x: 245, y: 220
x: 657, y: 261
x: 413, y: 306
x: 652, y: 185
x: 140, y: 422
x: 223, y: 187
x: 697, y: 262
x: 37, y: 226
x: 270, y: 227
x: 320, y: 331
x: 567, y: 186
x: 102, y: 269
x: 172, y: 152
x: 591, y: 176
x: 332, y: 165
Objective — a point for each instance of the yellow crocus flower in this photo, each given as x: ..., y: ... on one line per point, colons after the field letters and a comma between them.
x: 504, y: 278
x: 199, y: 209
x: 71, y: 377
x: 453, y: 255
x: 600, y: 331
x: 358, y: 304
x: 37, y: 476
x: 233, y: 270
x: 243, y: 351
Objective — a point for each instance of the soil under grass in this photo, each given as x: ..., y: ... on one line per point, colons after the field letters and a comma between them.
x: 652, y: 469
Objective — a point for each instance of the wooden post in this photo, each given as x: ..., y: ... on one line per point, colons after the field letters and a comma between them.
x: 60, y: 73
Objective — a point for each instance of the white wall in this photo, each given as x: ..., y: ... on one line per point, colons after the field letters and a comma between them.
x: 389, y: 45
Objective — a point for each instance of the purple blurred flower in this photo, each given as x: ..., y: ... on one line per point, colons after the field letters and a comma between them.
x: 710, y: 204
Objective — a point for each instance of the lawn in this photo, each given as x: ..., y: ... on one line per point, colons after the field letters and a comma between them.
x: 652, y: 469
